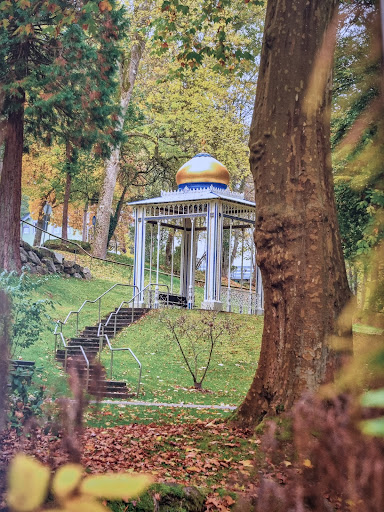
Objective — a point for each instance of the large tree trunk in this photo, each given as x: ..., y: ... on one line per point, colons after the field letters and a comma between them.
x: 3, y: 126
x: 10, y: 188
x: 5, y: 320
x: 127, y: 81
x: 297, y: 237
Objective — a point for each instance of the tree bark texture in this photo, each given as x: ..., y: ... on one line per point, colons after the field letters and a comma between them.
x: 10, y: 188
x: 127, y: 81
x: 3, y: 126
x: 5, y: 320
x: 116, y: 216
x: 296, y: 233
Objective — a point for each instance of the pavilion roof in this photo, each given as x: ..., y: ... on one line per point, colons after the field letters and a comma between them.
x: 199, y: 194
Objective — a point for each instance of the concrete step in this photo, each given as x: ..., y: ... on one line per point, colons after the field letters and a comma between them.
x: 84, y: 342
x: 89, y: 341
x: 125, y: 313
x: 72, y: 353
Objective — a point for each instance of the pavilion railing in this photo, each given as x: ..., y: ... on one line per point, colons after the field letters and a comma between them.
x: 240, y: 300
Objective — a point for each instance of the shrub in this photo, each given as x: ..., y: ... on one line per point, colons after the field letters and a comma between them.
x: 197, y: 337
x: 28, y: 315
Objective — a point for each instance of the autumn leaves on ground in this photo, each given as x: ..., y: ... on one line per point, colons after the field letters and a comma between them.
x: 190, y: 446
x: 204, y: 454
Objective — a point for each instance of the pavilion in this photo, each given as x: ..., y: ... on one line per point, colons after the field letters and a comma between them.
x: 203, y: 203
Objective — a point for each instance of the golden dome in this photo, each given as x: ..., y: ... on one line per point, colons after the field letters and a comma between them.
x: 202, y: 170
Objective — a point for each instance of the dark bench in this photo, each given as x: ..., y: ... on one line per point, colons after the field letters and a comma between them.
x: 173, y: 300
x: 22, y: 368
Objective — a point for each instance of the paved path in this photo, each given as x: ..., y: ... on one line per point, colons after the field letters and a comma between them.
x: 159, y: 404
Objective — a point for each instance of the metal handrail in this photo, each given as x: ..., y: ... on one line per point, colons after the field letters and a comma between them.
x: 66, y: 347
x: 60, y: 323
x: 115, y: 313
x: 119, y: 350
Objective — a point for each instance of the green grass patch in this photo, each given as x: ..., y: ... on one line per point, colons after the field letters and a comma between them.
x: 165, y: 377
x: 367, y: 329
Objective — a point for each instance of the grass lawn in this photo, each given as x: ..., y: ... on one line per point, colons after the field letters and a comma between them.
x: 164, y: 377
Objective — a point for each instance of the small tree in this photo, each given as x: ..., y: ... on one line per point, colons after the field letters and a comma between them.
x: 28, y: 315
x: 196, y: 338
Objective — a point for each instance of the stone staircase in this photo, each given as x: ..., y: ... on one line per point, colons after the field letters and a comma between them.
x: 99, y: 385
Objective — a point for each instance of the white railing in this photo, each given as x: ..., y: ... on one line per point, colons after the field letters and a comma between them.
x: 240, y: 300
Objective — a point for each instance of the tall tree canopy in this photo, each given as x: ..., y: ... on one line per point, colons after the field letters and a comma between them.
x: 41, y: 43
x: 190, y: 35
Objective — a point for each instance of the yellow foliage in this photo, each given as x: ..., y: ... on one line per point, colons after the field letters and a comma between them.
x: 28, y: 484
x: 84, y: 504
x: 112, y: 486
x: 66, y: 480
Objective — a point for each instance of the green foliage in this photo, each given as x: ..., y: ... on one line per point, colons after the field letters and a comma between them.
x: 25, y: 399
x: 28, y: 314
x: 374, y: 399
x: 204, y: 31
x: 44, y: 49
x: 353, y: 218
x: 357, y: 129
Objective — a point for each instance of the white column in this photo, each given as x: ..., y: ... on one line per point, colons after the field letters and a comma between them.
x: 229, y: 266
x: 212, y: 291
x: 191, y: 280
x: 139, y: 257
x: 150, y: 255
x: 156, y: 305
x: 259, y: 293
x: 242, y: 271
x: 184, y: 259
x: 173, y: 250
x: 250, y: 308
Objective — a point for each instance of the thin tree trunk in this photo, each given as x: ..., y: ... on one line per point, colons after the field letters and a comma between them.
x: 116, y: 215
x: 64, y: 223
x: 297, y: 237
x: 168, y: 248
x: 10, y: 188
x: 67, y: 193
x: 127, y: 80
x: 40, y: 223
x: 85, y: 222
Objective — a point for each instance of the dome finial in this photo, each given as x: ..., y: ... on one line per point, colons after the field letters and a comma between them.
x: 202, y: 171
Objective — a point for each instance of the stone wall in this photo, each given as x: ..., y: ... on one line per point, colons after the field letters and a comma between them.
x: 40, y: 260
